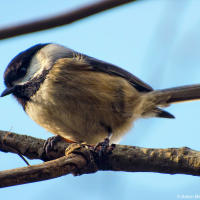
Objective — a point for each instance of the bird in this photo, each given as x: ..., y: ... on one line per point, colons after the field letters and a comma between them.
x: 83, y: 99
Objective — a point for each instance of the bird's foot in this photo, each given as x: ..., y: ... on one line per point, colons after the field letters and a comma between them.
x: 73, y: 147
x: 103, y: 149
x: 50, y: 142
x: 49, y: 146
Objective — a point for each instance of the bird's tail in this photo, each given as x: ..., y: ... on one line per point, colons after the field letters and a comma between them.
x: 177, y: 94
x: 162, y: 98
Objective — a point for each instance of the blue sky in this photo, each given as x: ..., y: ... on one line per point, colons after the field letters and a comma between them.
x: 158, y: 41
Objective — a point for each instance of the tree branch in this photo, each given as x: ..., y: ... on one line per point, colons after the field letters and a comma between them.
x: 60, y: 20
x: 29, y: 146
x: 47, y: 170
x: 83, y: 160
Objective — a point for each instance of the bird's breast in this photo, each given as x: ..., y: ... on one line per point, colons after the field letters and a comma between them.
x: 81, y: 105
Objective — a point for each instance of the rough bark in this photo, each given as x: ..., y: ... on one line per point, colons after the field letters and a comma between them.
x: 84, y: 160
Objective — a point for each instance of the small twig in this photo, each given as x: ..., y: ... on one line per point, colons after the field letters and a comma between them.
x: 24, y: 159
x: 3, y: 142
x: 60, y: 20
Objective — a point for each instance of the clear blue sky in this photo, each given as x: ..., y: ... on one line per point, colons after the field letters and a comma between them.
x: 158, y: 41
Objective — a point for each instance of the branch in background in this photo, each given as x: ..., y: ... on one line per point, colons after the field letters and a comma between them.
x: 123, y: 158
x: 60, y: 20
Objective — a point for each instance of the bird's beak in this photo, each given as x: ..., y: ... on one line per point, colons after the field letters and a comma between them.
x: 7, y: 91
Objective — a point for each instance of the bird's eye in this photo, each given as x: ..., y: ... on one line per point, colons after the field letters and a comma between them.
x: 22, y: 71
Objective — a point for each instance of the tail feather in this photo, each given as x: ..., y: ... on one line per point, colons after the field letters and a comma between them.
x: 163, y: 114
x: 177, y: 94
x: 165, y: 97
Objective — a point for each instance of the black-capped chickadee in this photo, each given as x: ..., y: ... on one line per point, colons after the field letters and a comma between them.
x: 83, y: 99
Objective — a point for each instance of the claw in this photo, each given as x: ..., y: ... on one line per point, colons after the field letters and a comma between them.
x: 103, y: 149
x: 50, y: 142
x: 72, y: 147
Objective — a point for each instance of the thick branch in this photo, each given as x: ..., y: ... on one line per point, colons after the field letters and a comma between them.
x: 29, y: 146
x: 59, y: 20
x: 123, y: 158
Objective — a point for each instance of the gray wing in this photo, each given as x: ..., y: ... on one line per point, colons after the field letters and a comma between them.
x: 98, y: 65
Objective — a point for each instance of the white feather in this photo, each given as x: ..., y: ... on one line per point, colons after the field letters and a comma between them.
x: 43, y: 60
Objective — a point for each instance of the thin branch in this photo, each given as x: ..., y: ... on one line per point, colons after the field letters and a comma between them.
x: 60, y: 20
x: 84, y: 160
x: 45, y: 171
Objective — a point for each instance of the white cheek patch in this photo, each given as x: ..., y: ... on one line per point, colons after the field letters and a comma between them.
x: 43, y: 60
x: 36, y: 67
